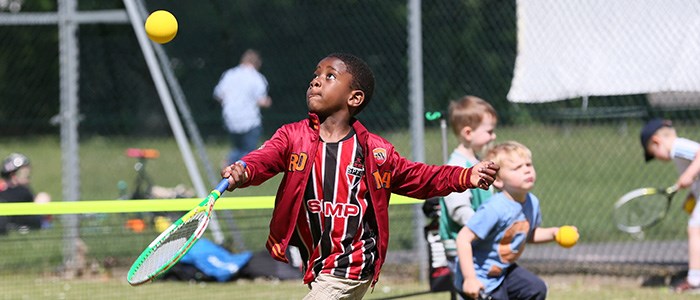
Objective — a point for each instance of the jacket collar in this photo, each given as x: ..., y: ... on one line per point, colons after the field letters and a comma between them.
x: 360, y: 130
x: 314, y: 122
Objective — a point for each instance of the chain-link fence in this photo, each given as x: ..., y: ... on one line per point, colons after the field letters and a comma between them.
x: 586, y: 149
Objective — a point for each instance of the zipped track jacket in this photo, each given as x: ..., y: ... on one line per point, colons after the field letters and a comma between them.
x: 291, y: 151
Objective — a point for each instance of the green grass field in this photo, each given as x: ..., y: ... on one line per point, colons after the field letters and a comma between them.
x: 568, y: 287
x: 581, y: 172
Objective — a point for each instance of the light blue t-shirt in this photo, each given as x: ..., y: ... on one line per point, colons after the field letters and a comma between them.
x: 502, y: 227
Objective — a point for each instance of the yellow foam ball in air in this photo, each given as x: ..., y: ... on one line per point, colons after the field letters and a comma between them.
x: 161, y: 26
x: 161, y: 223
x: 567, y: 236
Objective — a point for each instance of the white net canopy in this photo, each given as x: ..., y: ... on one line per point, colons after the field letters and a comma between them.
x: 569, y: 49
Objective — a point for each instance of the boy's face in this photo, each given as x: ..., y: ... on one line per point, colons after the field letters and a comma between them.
x: 517, y: 175
x: 329, y: 90
x: 658, y: 148
x: 481, y: 135
x: 22, y: 175
x: 660, y: 143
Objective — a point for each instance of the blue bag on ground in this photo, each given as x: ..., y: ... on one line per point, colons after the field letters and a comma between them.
x: 215, y: 261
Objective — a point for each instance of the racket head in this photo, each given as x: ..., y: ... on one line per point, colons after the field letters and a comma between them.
x: 641, y: 208
x: 172, y: 244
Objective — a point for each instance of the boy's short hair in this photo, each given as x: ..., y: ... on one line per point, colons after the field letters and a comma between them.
x: 468, y: 111
x: 362, y: 76
x: 649, y: 129
x: 502, y: 151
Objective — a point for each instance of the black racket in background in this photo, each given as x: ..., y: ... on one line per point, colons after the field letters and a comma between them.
x: 642, y: 208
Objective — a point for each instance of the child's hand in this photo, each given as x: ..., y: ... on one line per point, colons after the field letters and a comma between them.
x: 566, y: 236
x: 685, y: 181
x: 472, y: 287
x: 236, y: 175
x: 483, y: 174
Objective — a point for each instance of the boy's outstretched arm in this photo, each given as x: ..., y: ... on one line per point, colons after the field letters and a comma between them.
x: 471, y: 285
x: 483, y: 174
x: 261, y: 164
x: 422, y: 181
x: 544, y: 234
x: 686, y: 179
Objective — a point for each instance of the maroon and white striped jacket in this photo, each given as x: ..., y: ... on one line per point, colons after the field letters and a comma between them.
x: 292, y: 149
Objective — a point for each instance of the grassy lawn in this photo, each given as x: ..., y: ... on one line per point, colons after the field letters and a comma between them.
x: 568, y: 287
x: 581, y: 172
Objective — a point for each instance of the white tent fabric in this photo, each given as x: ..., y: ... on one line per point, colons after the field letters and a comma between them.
x: 569, y: 49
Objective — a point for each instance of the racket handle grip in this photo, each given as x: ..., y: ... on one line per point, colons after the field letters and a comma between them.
x: 672, y: 189
x: 223, y: 185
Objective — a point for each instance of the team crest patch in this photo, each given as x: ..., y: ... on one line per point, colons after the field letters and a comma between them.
x: 356, y: 170
x: 379, y: 155
x: 353, y: 172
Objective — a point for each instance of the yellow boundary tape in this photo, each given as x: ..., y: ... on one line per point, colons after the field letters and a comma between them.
x: 126, y: 206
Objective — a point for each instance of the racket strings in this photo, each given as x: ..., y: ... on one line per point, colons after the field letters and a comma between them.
x: 641, y: 211
x: 165, y: 252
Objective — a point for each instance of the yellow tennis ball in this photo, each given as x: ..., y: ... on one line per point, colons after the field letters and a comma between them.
x: 567, y: 236
x: 161, y: 223
x: 161, y: 26
x: 689, y: 204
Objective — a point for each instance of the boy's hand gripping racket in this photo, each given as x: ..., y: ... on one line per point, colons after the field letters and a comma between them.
x: 642, y: 208
x: 171, y: 245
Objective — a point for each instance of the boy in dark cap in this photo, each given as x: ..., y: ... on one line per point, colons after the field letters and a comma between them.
x: 660, y: 141
x: 16, y: 171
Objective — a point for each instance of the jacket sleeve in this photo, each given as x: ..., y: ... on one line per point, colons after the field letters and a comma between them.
x: 422, y: 181
x: 459, y: 207
x: 269, y: 160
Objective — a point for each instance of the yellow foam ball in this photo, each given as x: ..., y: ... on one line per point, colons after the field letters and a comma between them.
x: 567, y: 236
x: 689, y: 204
x: 161, y: 26
x: 161, y: 223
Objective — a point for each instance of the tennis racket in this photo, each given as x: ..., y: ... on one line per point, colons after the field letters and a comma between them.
x: 171, y: 245
x: 642, y: 208
x: 484, y: 296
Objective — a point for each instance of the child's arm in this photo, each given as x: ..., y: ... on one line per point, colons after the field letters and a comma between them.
x: 423, y: 181
x: 459, y: 207
x: 544, y: 234
x: 686, y: 179
x: 471, y: 285
x: 260, y: 164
